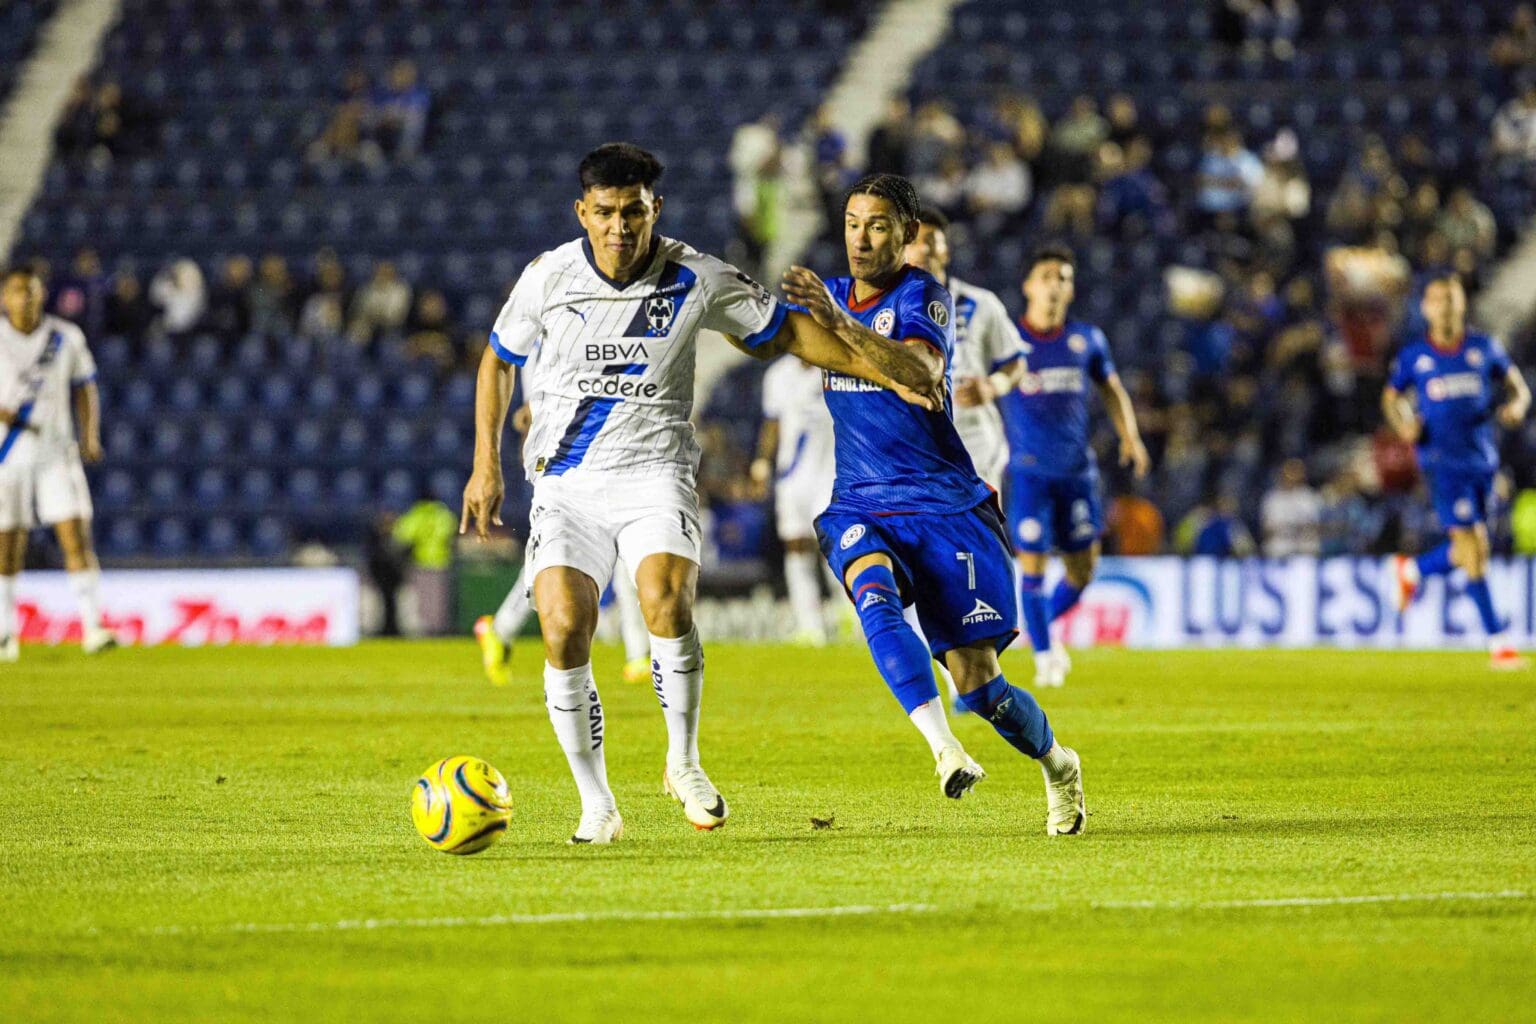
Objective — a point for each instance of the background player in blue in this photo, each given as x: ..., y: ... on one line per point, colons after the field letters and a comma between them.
x: 1053, y: 476
x: 910, y: 521
x: 1463, y: 382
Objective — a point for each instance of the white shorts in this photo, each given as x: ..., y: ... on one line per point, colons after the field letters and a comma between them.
x: 17, y: 488
x: 587, y: 521
x: 797, y: 501
x: 61, y: 491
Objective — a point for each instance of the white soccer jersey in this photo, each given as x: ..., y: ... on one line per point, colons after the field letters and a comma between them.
x: 615, y: 370
x: 792, y: 394
x: 985, y: 341
x: 38, y: 375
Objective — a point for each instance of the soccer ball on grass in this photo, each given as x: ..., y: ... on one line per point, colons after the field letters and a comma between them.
x: 461, y: 805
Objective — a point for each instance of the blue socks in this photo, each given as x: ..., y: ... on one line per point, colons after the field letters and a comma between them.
x: 1014, y: 714
x: 1037, y: 622
x: 1436, y: 562
x: 904, y: 661
x: 1064, y: 598
x: 1477, y: 590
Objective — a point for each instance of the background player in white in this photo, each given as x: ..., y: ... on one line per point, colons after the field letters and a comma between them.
x: 47, y: 384
x: 796, y: 450
x: 988, y: 359
x: 496, y: 633
x: 615, y: 316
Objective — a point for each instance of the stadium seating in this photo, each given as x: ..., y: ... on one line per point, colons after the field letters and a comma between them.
x: 20, y: 22
x: 275, y: 439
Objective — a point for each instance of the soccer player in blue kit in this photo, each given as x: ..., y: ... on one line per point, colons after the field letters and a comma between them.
x: 910, y: 521
x: 1464, y: 382
x: 1053, y: 476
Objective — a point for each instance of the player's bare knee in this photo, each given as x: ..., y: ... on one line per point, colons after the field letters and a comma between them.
x: 668, y: 610
x: 972, y: 667
x: 567, y: 628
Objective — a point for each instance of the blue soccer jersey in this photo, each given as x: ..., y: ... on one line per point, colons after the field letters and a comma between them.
x: 1459, y: 390
x: 1047, y: 415
x: 894, y: 457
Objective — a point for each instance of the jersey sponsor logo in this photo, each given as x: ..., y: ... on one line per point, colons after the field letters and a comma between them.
x: 1054, y: 380
x: 1077, y: 343
x: 983, y: 612
x: 885, y: 322
x: 614, y: 351
x: 1449, y: 386
x: 617, y: 387
x: 851, y: 536
x: 938, y: 314
x: 842, y: 382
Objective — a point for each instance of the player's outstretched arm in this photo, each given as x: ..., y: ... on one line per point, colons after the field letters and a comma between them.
x: 1122, y: 413
x: 485, y: 490
x: 1512, y: 412
x: 1399, y: 414
x: 87, y: 402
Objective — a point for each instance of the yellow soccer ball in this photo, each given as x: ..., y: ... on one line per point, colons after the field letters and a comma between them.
x: 461, y: 805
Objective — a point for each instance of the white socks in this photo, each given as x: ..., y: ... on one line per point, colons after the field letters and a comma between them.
x: 677, y: 673
x: 575, y: 711
x: 800, y: 569
x: 932, y: 720
x: 8, y: 622
x: 1055, y: 760
x: 626, y: 602
x: 87, y: 587
x: 513, y: 612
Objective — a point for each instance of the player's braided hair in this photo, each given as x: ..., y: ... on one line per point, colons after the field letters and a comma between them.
x: 893, y: 188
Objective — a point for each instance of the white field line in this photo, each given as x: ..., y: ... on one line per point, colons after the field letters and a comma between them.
x: 781, y: 913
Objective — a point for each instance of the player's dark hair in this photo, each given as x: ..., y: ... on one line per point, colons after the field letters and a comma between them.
x: 1050, y: 252
x: 894, y: 189
x: 618, y: 164
x: 934, y: 218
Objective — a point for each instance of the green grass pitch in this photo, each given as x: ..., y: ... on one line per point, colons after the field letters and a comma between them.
x: 222, y: 835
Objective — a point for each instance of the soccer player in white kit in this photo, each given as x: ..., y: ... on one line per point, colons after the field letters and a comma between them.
x: 615, y: 316
x: 47, y: 384
x: 797, y: 450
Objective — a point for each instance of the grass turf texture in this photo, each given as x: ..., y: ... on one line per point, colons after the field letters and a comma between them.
x: 159, y: 799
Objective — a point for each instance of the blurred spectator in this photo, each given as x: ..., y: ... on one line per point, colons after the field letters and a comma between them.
x: 1347, y: 523
x: 1514, y: 129
x: 1228, y: 176
x: 345, y: 140
x: 946, y: 187
x: 427, y: 529
x: 229, y: 305
x: 102, y: 122
x: 1131, y: 200
x: 400, y: 111
x: 1515, y: 48
x: 1468, y: 224
x: 80, y: 293
x: 1074, y: 142
x: 386, y: 559
x: 1282, y: 190
x: 1522, y: 521
x: 998, y: 190
x: 936, y: 136
x: 831, y: 171
x: 1216, y: 532
x: 430, y: 334
x: 380, y: 306
x: 128, y: 313
x: 892, y: 138
x: 1124, y: 122
x: 324, y: 314
x: 1291, y: 514
x: 180, y: 297
x: 756, y: 162
x: 1134, y: 526
x: 1021, y: 124
x: 272, y: 298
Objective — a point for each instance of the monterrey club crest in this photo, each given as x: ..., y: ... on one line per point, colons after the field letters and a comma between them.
x: 938, y: 313
x: 884, y: 322
x: 659, y: 311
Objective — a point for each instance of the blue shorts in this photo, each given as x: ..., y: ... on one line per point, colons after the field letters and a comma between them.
x: 955, y: 568
x: 1462, y: 497
x: 1054, y: 513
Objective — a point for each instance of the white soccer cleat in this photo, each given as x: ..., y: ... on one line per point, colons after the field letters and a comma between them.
x: 98, y: 639
x: 957, y: 772
x: 1063, y: 663
x: 1405, y: 572
x: 10, y: 650
x: 1066, y: 813
x: 1505, y: 657
x: 1048, y: 670
x: 703, y: 805
x: 598, y: 829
